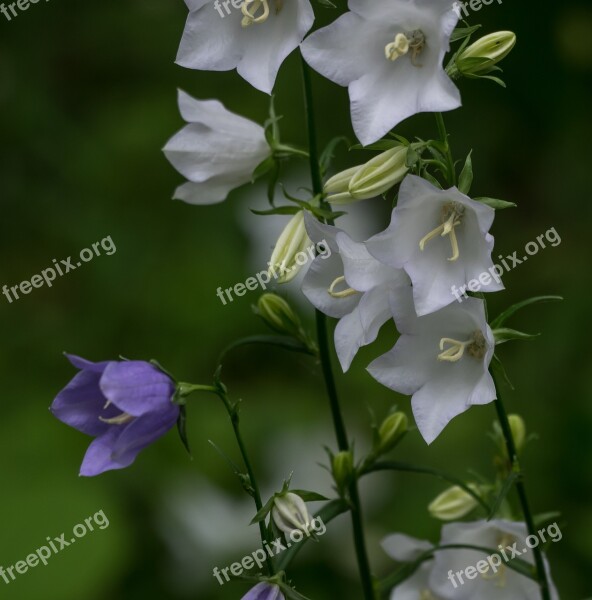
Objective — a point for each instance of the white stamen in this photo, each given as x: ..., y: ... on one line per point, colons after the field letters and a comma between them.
x: 451, y: 218
x: 342, y: 294
x: 122, y: 419
x: 476, y: 346
x: 249, y: 8
x: 398, y: 48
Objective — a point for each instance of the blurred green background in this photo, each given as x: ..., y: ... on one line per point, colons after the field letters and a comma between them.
x: 87, y: 100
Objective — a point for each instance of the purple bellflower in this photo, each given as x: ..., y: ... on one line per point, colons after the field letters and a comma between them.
x: 264, y: 591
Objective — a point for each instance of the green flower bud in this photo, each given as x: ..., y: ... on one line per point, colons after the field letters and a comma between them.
x: 453, y: 503
x: 480, y: 57
x: 369, y: 180
x: 343, y: 468
x: 289, y: 254
x: 393, y: 428
x: 290, y: 513
x: 278, y: 315
x: 518, y: 431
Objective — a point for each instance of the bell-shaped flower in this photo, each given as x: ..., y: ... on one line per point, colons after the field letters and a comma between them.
x: 217, y: 151
x: 441, y: 359
x: 485, y: 577
x: 264, y: 591
x: 440, y: 238
x: 252, y: 36
x: 125, y: 406
x: 352, y: 286
x: 290, y: 513
x: 390, y: 54
x: 406, y: 549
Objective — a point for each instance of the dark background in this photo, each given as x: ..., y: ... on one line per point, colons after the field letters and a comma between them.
x: 87, y: 100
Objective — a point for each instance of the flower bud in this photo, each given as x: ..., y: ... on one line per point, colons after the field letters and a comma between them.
x: 486, y: 52
x: 453, y: 503
x: 343, y: 468
x: 278, y: 315
x: 286, y: 259
x: 369, y: 180
x: 379, y: 174
x: 518, y: 431
x: 290, y: 514
x: 393, y: 428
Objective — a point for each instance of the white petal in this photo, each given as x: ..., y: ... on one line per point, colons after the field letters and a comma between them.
x: 404, y: 548
x: 213, y: 191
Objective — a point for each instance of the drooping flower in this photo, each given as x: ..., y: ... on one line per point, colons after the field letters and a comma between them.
x: 442, y: 359
x: 490, y: 577
x: 125, y: 406
x: 217, y: 151
x: 403, y: 548
x: 440, y: 238
x: 352, y: 286
x: 254, y: 38
x: 389, y: 53
x: 290, y: 513
x: 264, y: 591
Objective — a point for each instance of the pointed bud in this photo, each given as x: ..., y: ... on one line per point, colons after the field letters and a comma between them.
x: 453, y: 503
x: 393, y: 428
x: 290, y: 514
x: 343, y: 469
x: 485, y: 53
x: 289, y: 254
x: 369, y: 180
x: 278, y: 315
x: 518, y: 431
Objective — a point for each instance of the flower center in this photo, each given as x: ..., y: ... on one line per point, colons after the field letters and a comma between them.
x: 342, y: 293
x: 412, y: 42
x: 452, y: 216
x: 500, y: 576
x: 476, y: 346
x: 257, y: 11
x: 121, y: 419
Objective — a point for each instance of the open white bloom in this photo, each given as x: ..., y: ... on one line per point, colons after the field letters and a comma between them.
x: 351, y: 286
x: 442, y: 359
x: 253, y: 36
x: 485, y: 577
x: 217, y: 151
x: 390, y: 54
x: 441, y: 239
x: 403, y: 548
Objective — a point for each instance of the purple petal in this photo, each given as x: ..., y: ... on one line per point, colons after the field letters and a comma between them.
x: 137, y: 387
x: 81, y: 402
x: 264, y: 591
x: 119, y: 446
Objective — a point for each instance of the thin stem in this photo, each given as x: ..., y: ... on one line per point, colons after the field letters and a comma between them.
x: 521, y: 489
x: 325, y: 357
x: 447, y: 151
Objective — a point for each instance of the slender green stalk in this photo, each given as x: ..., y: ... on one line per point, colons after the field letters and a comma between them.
x: 447, y: 151
x: 521, y: 489
x: 325, y: 356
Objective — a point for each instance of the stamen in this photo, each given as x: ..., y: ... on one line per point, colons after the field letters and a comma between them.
x: 344, y: 293
x: 476, y: 347
x: 452, y: 214
x: 250, y: 12
x: 398, y: 48
x: 404, y: 43
x: 122, y: 419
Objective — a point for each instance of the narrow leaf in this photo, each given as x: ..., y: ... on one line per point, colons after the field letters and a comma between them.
x: 465, y: 180
x: 504, y: 316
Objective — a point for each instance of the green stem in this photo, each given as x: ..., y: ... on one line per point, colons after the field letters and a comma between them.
x: 325, y: 357
x: 447, y: 151
x: 521, y: 489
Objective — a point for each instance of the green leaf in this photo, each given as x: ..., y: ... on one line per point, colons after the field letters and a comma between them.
x: 182, y: 428
x: 546, y: 518
x: 278, y: 210
x: 494, y: 203
x: 465, y: 180
x: 502, y: 495
x: 329, y: 152
x: 309, y: 496
x: 462, y: 32
x: 382, y: 145
x: 280, y: 341
x: 504, y: 334
x: 265, y: 510
x: 503, y: 317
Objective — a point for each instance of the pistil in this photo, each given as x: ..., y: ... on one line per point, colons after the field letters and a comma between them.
x: 452, y: 214
x: 343, y: 293
x: 476, y: 346
x: 412, y: 42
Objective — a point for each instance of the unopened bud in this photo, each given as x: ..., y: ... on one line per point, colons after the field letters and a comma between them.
x: 278, y: 314
x: 343, y: 468
x: 289, y: 254
x: 337, y: 188
x: 453, y: 503
x: 480, y: 57
x: 393, y: 428
x: 290, y: 513
x: 518, y: 431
